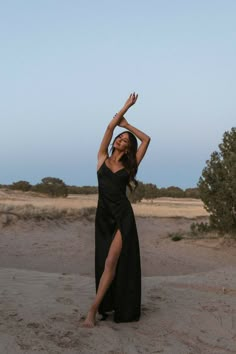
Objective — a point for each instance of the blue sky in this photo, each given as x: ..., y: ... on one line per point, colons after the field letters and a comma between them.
x: 68, y: 66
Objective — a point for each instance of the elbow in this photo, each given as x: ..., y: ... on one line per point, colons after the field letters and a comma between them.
x: 147, y: 141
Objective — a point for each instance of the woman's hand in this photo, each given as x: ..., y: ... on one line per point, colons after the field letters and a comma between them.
x: 131, y: 100
x: 123, y: 123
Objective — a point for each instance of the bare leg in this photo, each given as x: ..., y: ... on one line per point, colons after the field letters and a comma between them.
x: 106, y: 278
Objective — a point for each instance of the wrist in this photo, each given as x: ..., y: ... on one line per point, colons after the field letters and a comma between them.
x: 126, y: 107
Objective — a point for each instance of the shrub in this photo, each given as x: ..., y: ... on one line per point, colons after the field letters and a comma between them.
x: 138, y: 194
x: 52, y: 186
x: 199, y: 228
x: 176, y: 236
x: 217, y: 185
x: 21, y: 185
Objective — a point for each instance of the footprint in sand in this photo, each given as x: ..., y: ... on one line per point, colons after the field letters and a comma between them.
x: 33, y: 325
x: 145, y: 309
x: 156, y: 298
x: 66, y: 340
x: 57, y: 318
x: 64, y: 301
x: 13, y: 314
x: 148, y: 308
x: 68, y: 287
x: 154, y: 295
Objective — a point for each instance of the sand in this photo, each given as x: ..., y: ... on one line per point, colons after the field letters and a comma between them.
x: 47, y: 285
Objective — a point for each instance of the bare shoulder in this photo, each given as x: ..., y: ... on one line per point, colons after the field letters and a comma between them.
x: 101, y: 159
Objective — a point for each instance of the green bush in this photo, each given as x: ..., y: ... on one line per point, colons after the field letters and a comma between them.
x: 82, y: 190
x: 200, y: 228
x: 54, y: 187
x: 137, y: 194
x: 176, y: 236
x: 217, y: 185
x: 21, y: 186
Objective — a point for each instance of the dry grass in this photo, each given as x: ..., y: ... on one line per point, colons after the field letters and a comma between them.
x: 171, y: 207
x: 19, y: 205
x: 11, y: 213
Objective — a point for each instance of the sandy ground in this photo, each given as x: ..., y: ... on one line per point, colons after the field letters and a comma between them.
x: 47, y: 285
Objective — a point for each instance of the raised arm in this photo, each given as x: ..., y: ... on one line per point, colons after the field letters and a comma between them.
x: 145, y: 139
x: 103, y: 150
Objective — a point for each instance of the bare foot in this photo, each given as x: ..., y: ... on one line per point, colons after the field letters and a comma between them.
x: 89, y: 321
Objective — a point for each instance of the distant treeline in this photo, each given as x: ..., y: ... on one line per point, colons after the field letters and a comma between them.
x: 55, y: 187
x: 216, y: 188
x: 151, y: 191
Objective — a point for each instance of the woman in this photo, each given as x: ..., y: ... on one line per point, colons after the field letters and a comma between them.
x: 117, y: 256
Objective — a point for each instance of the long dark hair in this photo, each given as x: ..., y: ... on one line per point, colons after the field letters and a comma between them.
x: 129, y: 159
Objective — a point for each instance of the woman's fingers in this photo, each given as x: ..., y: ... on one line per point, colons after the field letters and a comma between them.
x: 132, y: 99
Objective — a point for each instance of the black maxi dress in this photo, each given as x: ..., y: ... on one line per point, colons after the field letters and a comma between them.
x: 114, y: 212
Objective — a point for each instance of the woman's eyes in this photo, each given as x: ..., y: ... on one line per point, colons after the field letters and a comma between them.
x: 124, y: 140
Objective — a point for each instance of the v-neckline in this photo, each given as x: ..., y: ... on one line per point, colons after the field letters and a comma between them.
x: 111, y: 170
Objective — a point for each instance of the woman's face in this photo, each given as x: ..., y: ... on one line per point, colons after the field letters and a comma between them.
x: 122, y: 142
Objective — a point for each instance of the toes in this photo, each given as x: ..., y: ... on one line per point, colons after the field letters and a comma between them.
x: 88, y: 324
